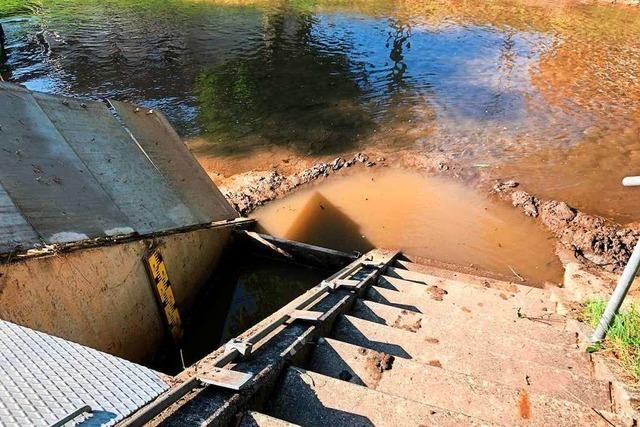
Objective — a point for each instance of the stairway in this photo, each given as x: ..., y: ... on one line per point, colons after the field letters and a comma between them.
x: 425, y: 346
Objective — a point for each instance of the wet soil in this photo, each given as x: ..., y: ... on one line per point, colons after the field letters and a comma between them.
x: 377, y: 363
x: 593, y: 240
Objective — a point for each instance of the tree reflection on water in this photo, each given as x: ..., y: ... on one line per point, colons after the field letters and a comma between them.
x: 291, y: 91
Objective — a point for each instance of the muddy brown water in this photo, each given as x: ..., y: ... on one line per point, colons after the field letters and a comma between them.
x: 423, y: 216
x: 543, y: 91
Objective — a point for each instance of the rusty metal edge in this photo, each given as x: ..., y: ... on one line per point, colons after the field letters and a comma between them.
x: 48, y: 250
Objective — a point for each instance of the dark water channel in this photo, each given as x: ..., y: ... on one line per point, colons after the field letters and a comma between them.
x: 244, y: 290
x: 546, y: 92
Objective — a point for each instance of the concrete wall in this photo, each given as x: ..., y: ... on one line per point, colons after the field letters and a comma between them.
x: 101, y: 297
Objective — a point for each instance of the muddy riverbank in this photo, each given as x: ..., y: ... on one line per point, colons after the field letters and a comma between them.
x: 594, y: 241
x: 270, y: 93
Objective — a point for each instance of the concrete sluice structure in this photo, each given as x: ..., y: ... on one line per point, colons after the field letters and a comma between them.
x: 85, y: 192
x: 388, y: 341
x: 109, y: 229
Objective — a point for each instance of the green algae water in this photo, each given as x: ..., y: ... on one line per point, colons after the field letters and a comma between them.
x: 544, y: 92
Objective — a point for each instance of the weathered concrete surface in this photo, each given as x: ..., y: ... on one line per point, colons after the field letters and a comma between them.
x: 310, y: 399
x: 443, y: 334
x: 272, y: 354
x: 534, y: 323
x: 480, y: 398
x: 257, y: 419
x: 462, y: 294
x: 471, y: 358
x: 412, y: 359
x: 101, y: 297
x: 466, y: 274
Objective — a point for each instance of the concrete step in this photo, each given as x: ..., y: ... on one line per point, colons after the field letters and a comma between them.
x: 445, y: 332
x: 447, y: 389
x: 257, y: 419
x: 471, y: 358
x: 311, y: 399
x: 465, y: 294
x: 420, y: 273
x: 555, y: 329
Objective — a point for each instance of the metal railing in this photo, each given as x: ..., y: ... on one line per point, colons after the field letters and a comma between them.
x: 624, y: 282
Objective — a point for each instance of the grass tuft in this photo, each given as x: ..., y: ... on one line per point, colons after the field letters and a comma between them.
x: 623, y: 337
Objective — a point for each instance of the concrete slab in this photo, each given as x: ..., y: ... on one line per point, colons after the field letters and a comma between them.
x: 446, y: 333
x: 547, y: 328
x: 15, y: 231
x: 310, y: 399
x: 421, y: 273
x: 257, y: 419
x: 471, y: 358
x: 452, y: 390
x: 465, y: 294
x: 104, y: 146
x: 170, y: 155
x: 53, y: 189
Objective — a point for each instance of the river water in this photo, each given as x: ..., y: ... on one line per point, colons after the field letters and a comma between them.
x: 544, y: 92
x: 547, y: 92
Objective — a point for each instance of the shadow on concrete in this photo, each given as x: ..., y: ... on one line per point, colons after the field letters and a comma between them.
x: 361, y: 311
x: 348, y: 332
x: 299, y: 403
x: 374, y: 295
x: 326, y: 361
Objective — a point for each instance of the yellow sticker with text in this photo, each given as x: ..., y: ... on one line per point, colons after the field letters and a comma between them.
x: 160, y: 278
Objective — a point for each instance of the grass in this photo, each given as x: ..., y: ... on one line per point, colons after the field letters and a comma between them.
x: 17, y: 7
x: 623, y: 337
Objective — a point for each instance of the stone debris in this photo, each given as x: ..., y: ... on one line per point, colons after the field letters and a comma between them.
x: 528, y: 203
x: 260, y: 188
x: 592, y: 239
x: 501, y: 186
x: 437, y: 293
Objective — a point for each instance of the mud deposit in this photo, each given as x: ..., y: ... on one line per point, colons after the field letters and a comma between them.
x: 424, y: 216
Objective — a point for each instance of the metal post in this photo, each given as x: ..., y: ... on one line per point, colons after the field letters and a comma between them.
x: 2, y: 54
x: 624, y: 283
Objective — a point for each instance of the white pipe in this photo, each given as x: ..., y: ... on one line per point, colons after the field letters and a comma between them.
x: 624, y: 283
x: 620, y: 292
x: 631, y: 181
